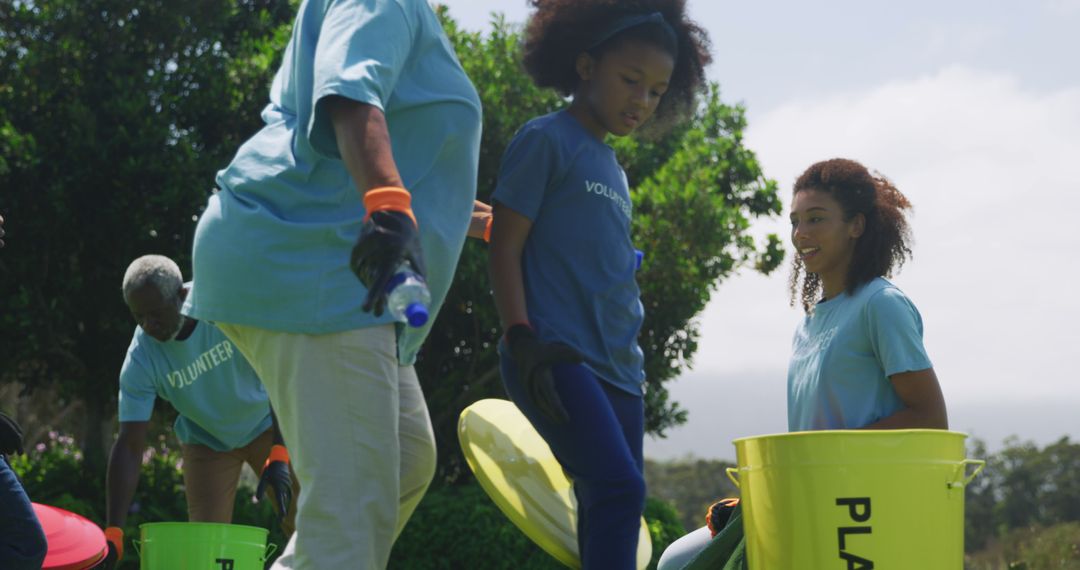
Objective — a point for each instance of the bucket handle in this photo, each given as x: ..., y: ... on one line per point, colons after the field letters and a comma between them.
x: 731, y: 474
x: 271, y: 548
x: 135, y: 544
x: 961, y: 470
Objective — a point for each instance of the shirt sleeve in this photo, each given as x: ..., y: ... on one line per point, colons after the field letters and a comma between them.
x: 896, y: 332
x: 362, y: 47
x: 137, y: 392
x: 529, y: 164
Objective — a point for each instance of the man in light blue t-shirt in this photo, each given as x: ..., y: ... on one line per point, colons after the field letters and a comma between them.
x: 367, y: 160
x: 224, y: 418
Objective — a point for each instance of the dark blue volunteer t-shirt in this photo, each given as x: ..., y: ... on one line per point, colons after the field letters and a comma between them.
x: 579, y: 262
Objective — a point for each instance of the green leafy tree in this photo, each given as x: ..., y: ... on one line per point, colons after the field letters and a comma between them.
x: 1061, y: 492
x: 695, y: 191
x: 980, y: 502
x: 1023, y: 491
x: 1019, y: 479
x: 114, y: 117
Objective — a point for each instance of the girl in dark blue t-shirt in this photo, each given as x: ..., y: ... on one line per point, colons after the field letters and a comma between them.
x: 562, y: 261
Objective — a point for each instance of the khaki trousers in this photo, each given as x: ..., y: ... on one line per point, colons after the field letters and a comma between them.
x: 211, y: 477
x: 359, y: 436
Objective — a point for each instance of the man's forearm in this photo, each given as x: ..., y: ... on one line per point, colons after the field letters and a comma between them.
x: 363, y: 140
x: 121, y: 482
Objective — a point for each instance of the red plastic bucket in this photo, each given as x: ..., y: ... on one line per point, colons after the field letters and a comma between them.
x: 75, y: 543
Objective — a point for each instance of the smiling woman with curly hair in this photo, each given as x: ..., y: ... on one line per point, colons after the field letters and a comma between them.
x: 562, y: 259
x: 858, y: 360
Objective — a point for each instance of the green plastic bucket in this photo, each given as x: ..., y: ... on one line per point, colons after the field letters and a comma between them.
x: 202, y: 546
x: 854, y: 499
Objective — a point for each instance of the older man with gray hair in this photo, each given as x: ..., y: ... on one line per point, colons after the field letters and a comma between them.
x: 224, y: 418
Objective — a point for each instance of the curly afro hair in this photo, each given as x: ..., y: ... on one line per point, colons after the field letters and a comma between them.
x: 884, y: 244
x: 560, y: 30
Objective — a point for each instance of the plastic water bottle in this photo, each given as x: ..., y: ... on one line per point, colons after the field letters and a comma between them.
x: 407, y: 297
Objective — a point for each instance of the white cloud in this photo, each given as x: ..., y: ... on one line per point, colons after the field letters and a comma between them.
x: 994, y: 173
x: 1064, y: 7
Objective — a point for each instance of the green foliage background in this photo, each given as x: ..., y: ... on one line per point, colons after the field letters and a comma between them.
x: 114, y: 117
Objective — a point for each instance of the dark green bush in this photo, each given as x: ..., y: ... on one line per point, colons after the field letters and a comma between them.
x: 458, y: 526
x: 664, y: 526
x: 455, y: 526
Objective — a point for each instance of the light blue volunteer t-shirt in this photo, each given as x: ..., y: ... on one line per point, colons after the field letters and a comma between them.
x: 578, y: 263
x: 272, y: 248
x: 844, y: 353
x: 221, y: 402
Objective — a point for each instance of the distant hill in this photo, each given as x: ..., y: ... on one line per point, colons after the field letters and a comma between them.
x: 690, y: 485
x: 725, y: 407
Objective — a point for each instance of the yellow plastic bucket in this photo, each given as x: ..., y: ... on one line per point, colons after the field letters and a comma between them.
x: 854, y: 500
x: 202, y: 546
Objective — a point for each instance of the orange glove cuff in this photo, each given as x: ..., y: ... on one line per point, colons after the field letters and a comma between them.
x: 388, y: 198
x: 115, y: 535
x: 487, y: 229
x: 277, y: 453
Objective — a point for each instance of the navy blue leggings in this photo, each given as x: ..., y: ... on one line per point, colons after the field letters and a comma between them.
x: 22, y: 542
x: 601, y: 448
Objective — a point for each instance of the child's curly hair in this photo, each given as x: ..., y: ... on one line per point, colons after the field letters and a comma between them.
x: 884, y: 244
x: 560, y: 30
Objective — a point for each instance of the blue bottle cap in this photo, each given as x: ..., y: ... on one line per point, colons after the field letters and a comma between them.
x: 640, y: 255
x: 416, y: 314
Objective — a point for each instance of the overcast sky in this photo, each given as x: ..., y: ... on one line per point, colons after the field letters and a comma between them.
x: 973, y: 109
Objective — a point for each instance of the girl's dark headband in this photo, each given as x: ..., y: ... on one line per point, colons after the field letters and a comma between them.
x: 631, y: 21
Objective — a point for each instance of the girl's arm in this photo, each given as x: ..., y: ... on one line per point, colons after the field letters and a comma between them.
x: 481, y: 213
x: 508, y: 234
x: 924, y: 405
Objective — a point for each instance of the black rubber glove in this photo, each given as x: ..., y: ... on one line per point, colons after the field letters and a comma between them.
x: 388, y: 239
x: 276, y: 475
x: 719, y: 514
x: 11, y: 436
x: 534, y: 359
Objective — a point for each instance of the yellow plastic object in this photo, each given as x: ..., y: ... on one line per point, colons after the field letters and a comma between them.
x: 854, y: 499
x: 516, y: 468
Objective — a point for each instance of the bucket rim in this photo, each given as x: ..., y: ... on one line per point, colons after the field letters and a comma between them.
x: 832, y: 433
x: 203, y: 525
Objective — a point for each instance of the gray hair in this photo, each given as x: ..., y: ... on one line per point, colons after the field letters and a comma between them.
x: 158, y: 270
